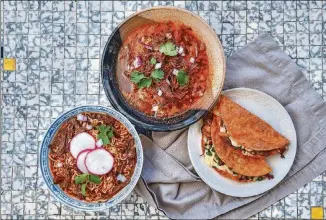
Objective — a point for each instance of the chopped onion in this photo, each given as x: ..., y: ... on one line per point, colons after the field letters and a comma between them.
x: 196, y: 50
x: 158, y: 65
x: 148, y: 47
x: 137, y: 62
x: 121, y: 178
x: 155, y: 108
x: 175, y: 72
x: 180, y: 51
x: 145, y: 45
x: 159, y: 93
x: 59, y: 164
x: 168, y: 35
x: 81, y: 117
x: 168, y: 81
x: 192, y: 60
x: 99, y: 143
x: 89, y: 127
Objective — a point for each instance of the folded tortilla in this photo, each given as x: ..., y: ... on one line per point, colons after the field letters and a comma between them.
x: 249, y: 131
x: 235, y: 159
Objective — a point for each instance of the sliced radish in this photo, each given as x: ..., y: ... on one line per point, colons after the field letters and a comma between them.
x: 81, y: 142
x: 81, y: 161
x: 99, y: 161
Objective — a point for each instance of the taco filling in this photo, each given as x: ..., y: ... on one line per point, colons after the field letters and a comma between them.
x: 213, y: 160
x: 248, y: 152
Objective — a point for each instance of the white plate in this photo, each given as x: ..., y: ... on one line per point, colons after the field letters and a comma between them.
x: 271, y: 111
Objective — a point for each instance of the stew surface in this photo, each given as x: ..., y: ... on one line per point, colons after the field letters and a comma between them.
x: 162, y: 69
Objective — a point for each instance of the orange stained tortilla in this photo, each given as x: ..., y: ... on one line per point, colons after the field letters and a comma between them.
x: 233, y: 158
x: 247, y: 129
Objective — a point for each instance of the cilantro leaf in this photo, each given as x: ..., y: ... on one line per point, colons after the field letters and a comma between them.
x: 81, y: 178
x: 106, y: 133
x: 182, y: 78
x: 169, y: 49
x: 157, y: 74
x: 146, y: 82
x: 136, y: 76
x: 83, y: 189
x: 103, y: 128
x: 209, y: 153
x: 104, y: 138
x: 153, y: 61
x: 94, y: 179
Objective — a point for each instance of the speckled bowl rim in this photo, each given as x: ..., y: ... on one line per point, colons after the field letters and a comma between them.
x: 45, y: 169
x: 188, y: 120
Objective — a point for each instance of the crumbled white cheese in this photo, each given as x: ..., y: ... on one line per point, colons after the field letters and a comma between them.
x: 180, y: 51
x: 192, y: 60
x: 234, y: 143
x: 175, y: 72
x: 168, y: 81
x: 155, y: 108
x: 159, y: 93
x: 158, y: 65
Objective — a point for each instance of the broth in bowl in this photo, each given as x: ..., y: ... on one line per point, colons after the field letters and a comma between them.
x: 162, y: 69
x: 92, y: 157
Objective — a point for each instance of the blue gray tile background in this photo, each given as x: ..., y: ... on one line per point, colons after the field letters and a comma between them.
x: 58, y: 45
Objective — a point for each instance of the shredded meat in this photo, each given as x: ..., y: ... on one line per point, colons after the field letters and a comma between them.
x: 144, y: 44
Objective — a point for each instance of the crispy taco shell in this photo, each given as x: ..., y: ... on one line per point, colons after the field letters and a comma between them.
x: 249, y: 130
x: 230, y: 176
x: 233, y: 158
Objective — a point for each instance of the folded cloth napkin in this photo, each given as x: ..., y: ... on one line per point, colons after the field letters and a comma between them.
x: 168, y: 179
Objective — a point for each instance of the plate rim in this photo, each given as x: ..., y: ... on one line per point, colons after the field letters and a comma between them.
x: 220, y: 189
x: 45, y: 170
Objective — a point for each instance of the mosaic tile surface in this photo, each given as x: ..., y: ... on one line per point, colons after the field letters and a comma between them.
x: 57, y: 46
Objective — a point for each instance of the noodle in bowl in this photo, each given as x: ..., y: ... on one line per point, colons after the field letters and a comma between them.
x: 99, y: 165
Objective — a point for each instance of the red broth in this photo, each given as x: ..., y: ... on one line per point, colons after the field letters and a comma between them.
x: 162, y: 69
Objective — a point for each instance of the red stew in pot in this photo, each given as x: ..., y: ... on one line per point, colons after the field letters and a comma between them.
x: 162, y: 69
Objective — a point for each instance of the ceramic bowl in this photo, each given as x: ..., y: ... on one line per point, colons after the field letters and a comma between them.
x: 161, y: 14
x: 45, y: 169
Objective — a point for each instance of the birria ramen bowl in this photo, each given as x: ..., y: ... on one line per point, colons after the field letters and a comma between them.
x: 91, y: 158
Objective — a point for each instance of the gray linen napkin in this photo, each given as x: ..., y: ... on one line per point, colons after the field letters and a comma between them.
x: 169, y: 181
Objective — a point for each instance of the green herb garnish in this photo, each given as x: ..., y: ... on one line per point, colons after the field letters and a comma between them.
x: 136, y: 76
x: 209, y: 153
x: 169, y: 49
x: 182, y: 78
x: 94, y: 179
x: 106, y: 133
x: 142, y: 81
x: 84, y: 178
x: 83, y: 189
x: 147, y: 82
x: 157, y: 74
x: 153, y: 61
x: 81, y: 178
